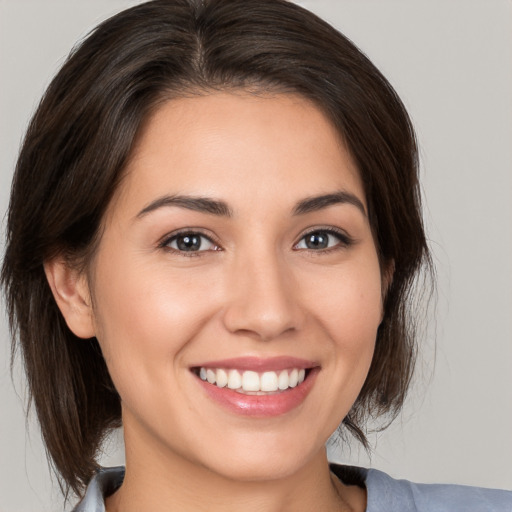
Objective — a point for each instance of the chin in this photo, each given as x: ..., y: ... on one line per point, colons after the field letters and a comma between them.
x: 261, y: 459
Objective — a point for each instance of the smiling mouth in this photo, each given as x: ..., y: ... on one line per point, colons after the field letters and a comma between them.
x: 249, y: 382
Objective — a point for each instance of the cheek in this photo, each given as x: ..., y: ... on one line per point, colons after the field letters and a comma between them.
x: 349, y: 302
x: 145, y: 316
x: 346, y: 304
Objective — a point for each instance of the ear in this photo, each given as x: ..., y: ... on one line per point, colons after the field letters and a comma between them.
x: 71, y: 292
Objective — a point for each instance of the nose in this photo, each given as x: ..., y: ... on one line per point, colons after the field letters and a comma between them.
x: 263, y: 299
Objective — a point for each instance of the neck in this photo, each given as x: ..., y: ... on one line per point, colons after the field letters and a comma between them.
x: 160, y: 481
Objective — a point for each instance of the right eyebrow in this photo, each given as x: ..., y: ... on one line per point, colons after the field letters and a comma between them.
x: 315, y: 203
x: 196, y: 203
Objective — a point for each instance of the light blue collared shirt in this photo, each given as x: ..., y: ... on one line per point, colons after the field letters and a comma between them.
x: 385, y: 494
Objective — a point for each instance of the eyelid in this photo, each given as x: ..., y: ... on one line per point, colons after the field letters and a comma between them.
x: 164, y: 242
x: 345, y: 240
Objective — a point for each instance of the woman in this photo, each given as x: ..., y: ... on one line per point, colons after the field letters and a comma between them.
x: 214, y: 227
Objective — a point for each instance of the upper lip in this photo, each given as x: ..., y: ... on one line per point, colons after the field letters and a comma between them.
x: 259, y: 364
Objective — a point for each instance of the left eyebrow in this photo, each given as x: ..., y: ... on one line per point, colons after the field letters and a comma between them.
x: 315, y: 203
x: 198, y: 204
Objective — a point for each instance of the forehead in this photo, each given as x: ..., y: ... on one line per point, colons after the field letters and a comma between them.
x: 240, y: 147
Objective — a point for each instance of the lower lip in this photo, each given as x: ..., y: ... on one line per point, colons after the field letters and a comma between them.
x: 262, y: 406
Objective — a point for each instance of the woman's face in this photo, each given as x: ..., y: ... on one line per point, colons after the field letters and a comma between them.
x: 237, y: 250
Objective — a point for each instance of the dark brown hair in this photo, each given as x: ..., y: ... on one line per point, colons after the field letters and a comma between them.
x: 79, y: 142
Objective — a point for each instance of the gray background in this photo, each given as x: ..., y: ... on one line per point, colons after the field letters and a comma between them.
x: 451, y: 61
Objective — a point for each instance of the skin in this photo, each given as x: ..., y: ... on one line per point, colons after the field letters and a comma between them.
x: 255, y: 290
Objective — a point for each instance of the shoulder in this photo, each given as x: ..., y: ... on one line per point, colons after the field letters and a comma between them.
x: 405, y: 495
x: 386, y: 493
x: 103, y: 484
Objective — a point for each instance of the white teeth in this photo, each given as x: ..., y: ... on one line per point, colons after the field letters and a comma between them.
x: 293, y: 379
x: 222, y: 378
x: 269, y: 382
x: 234, y: 379
x: 251, y: 381
x: 283, y: 380
x: 210, y: 376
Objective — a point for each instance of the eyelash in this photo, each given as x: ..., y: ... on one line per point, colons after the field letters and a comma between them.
x: 167, y: 240
x: 344, y: 241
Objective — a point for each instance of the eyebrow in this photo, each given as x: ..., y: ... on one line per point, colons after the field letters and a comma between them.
x: 221, y: 208
x: 198, y: 204
x: 315, y: 203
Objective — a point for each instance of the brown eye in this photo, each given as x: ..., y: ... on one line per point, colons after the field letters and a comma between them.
x: 190, y: 242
